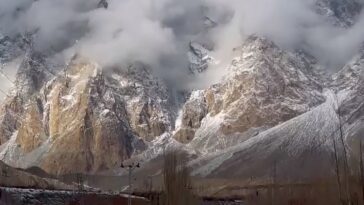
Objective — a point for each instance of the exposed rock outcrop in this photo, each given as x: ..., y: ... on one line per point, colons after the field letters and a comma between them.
x: 85, y: 120
x: 265, y: 86
x: 342, y: 13
x: 193, y: 111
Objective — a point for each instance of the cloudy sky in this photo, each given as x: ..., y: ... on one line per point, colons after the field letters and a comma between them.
x: 157, y: 32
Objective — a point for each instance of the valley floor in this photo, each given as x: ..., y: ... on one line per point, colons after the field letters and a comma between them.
x: 26, y: 196
x: 20, y: 196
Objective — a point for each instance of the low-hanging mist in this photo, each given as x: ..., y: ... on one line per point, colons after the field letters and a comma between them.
x: 157, y: 32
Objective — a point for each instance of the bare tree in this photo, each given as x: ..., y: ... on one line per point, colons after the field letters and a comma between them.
x: 345, y: 155
x: 177, y: 182
x: 361, y: 168
x: 80, y: 182
x: 337, y: 168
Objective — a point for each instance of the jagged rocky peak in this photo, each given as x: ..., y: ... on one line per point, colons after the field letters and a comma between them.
x: 87, y: 119
x: 103, y: 4
x: 351, y: 74
x: 11, y: 48
x: 341, y: 12
x: 192, y: 113
x: 264, y: 86
x: 26, y: 69
x: 32, y: 73
x: 13, y: 55
x: 305, y: 143
x: 348, y: 84
x: 201, y: 47
x: 147, y: 100
x: 11, y: 111
x: 199, y: 57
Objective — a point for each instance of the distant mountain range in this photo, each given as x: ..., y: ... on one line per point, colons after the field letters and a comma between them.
x: 274, y: 107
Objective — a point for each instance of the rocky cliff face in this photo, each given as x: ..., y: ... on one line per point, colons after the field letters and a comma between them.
x: 303, y: 143
x: 349, y: 86
x: 82, y: 119
x: 265, y: 86
x: 193, y: 112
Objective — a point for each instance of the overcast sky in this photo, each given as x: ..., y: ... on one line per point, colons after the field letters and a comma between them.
x: 157, y: 32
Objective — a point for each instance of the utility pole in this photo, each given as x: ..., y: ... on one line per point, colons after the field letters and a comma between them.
x: 131, y: 167
x: 3, y: 194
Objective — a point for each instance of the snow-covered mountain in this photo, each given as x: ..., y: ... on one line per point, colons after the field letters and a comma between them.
x: 264, y: 86
x: 304, y: 143
x: 91, y: 118
x: 273, y: 107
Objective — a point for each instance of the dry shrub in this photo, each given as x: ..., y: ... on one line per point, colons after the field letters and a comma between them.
x: 318, y: 193
x: 177, y: 180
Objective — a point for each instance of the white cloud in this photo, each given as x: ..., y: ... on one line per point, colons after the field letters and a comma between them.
x: 157, y: 32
